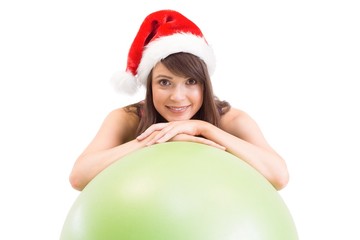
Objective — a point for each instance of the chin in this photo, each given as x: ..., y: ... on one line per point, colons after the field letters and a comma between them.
x: 182, y: 118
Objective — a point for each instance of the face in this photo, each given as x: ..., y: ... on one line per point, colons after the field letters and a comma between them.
x: 175, y: 98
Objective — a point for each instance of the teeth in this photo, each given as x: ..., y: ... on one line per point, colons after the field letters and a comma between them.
x: 178, y: 108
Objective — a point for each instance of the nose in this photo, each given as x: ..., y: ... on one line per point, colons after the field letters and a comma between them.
x: 178, y: 93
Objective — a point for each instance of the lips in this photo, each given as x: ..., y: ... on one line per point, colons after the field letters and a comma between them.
x: 178, y: 109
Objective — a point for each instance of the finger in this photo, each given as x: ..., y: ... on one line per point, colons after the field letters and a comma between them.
x: 164, y: 134
x: 164, y: 137
x: 190, y: 138
x: 168, y: 133
x: 150, y: 130
x: 161, y: 137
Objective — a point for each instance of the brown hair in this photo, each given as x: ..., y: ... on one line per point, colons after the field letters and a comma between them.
x: 187, y: 65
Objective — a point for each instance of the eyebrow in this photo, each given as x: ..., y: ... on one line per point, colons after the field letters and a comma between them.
x: 163, y: 76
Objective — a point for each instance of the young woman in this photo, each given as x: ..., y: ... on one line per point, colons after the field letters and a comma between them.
x: 179, y: 105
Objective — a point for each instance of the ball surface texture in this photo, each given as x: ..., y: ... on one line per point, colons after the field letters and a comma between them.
x: 179, y: 191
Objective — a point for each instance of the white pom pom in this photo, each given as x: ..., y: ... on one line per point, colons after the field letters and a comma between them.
x: 125, y: 82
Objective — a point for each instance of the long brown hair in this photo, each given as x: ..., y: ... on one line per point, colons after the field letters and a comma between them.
x: 190, y: 66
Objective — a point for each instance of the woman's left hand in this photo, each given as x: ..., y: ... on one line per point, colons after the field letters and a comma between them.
x: 189, y: 138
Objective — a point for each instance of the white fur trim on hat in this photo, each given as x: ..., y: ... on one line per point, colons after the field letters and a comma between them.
x: 179, y: 42
x: 125, y: 82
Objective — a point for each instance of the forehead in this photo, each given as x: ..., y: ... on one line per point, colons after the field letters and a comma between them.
x: 161, y: 69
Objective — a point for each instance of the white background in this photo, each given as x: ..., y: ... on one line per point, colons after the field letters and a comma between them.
x: 292, y: 65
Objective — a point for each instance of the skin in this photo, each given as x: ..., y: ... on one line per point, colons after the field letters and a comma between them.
x: 177, y: 99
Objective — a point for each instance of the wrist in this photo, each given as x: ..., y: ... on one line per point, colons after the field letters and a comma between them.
x: 204, y: 128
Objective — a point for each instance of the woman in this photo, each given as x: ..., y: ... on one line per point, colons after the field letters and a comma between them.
x: 179, y: 105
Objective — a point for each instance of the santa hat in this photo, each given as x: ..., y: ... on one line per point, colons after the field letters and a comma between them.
x: 161, y: 34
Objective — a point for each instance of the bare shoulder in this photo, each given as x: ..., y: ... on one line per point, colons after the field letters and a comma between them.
x: 122, y: 123
x: 238, y: 122
x: 121, y: 114
x: 127, y: 117
x: 118, y: 127
x: 234, y: 114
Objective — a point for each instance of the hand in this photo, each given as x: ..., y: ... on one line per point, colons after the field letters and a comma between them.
x: 168, y: 130
x: 188, y: 130
x: 188, y: 138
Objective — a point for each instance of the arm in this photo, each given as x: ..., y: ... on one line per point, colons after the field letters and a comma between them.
x: 113, y: 141
x: 239, y: 134
x: 242, y: 137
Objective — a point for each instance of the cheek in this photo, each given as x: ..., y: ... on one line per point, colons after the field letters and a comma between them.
x: 198, y: 96
x: 158, y: 99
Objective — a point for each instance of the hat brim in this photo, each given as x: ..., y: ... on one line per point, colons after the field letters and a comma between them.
x: 162, y: 47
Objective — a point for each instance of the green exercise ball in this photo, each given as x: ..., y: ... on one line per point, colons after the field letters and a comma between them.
x: 179, y: 191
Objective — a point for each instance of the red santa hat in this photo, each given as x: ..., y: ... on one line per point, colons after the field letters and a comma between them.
x: 161, y: 34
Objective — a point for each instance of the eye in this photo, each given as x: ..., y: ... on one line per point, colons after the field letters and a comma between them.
x: 164, y: 82
x: 191, y: 81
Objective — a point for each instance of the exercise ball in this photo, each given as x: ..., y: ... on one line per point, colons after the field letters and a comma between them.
x: 179, y: 191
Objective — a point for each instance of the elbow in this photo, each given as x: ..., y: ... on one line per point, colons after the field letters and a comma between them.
x: 76, y: 182
x: 281, y: 180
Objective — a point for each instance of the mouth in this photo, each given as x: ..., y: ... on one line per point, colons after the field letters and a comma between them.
x: 180, y: 109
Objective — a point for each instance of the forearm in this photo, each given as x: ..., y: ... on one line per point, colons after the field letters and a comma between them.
x: 90, y: 164
x: 267, y: 162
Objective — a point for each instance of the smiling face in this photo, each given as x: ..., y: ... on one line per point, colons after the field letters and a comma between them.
x: 175, y: 97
